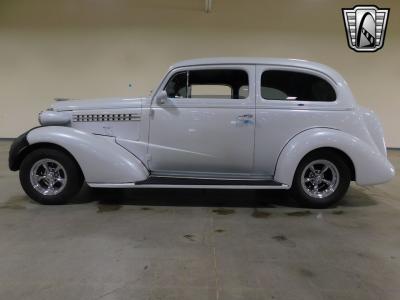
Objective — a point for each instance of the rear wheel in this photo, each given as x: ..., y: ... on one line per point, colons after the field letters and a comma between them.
x: 50, y: 176
x: 321, y: 179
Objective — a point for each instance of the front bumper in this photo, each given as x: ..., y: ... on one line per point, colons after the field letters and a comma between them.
x: 16, y: 150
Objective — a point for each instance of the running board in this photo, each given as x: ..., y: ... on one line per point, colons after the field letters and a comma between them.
x: 195, y: 183
x: 207, y: 183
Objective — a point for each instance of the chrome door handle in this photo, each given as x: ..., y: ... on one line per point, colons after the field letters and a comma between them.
x: 245, y: 117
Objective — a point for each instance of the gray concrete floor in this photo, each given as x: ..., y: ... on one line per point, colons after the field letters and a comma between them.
x: 197, y: 244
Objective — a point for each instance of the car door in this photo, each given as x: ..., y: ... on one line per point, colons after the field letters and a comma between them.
x: 206, y: 125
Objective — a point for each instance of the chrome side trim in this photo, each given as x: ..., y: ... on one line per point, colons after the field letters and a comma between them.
x: 216, y: 176
x: 111, y: 185
x: 232, y: 187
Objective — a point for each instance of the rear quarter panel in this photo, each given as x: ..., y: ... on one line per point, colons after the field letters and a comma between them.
x: 371, y: 167
x: 276, y: 127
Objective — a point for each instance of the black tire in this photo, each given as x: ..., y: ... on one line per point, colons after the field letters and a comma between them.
x: 74, y: 176
x: 343, y: 182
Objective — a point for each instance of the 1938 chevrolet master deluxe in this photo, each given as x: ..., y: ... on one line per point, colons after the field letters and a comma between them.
x: 245, y: 123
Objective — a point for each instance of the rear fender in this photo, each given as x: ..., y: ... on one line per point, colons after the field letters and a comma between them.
x: 371, y: 166
x: 99, y: 157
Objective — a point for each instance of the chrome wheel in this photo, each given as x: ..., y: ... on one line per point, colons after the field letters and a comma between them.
x: 320, y: 178
x: 48, y: 177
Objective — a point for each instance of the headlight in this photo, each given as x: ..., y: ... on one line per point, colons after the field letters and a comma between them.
x: 51, y: 117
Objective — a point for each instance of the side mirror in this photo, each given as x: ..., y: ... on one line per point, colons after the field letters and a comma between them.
x: 162, y: 97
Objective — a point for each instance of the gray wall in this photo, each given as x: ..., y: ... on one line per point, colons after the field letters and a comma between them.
x: 95, y: 48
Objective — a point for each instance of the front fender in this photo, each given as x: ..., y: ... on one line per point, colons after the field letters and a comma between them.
x: 371, y: 166
x: 100, y: 158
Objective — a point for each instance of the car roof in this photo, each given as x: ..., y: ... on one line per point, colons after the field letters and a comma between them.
x: 286, y: 62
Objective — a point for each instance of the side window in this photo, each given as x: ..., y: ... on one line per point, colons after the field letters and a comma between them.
x: 290, y: 85
x: 177, y: 86
x: 243, y: 91
x: 218, y: 83
x: 210, y: 91
x: 211, y: 84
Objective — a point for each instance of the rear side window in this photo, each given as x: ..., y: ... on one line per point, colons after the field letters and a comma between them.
x: 292, y: 86
x: 209, y: 84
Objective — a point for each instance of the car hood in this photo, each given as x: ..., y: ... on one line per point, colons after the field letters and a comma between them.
x: 103, y: 103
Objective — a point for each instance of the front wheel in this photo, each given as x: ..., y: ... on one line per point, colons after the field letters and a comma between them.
x: 321, y: 179
x: 50, y: 176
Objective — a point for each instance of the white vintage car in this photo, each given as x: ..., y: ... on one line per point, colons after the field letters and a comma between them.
x: 232, y: 123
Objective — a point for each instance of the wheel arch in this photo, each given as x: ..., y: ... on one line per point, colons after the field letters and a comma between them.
x: 29, y: 149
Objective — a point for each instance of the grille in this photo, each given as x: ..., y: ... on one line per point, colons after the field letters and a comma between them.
x: 106, y: 118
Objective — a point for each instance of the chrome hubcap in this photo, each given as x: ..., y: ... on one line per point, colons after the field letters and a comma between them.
x: 48, y: 177
x: 320, y: 178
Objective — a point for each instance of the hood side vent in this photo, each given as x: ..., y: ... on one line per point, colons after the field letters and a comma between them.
x: 105, y: 117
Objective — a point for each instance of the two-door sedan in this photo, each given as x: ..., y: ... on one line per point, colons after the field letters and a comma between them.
x: 232, y: 123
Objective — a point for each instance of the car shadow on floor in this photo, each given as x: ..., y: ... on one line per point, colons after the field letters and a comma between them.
x: 206, y: 197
